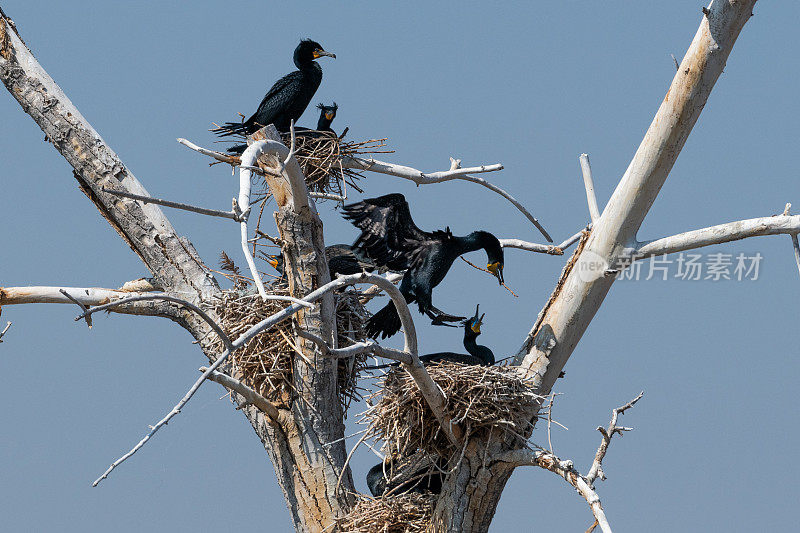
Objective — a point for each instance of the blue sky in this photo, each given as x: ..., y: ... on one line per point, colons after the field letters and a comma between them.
x: 527, y: 85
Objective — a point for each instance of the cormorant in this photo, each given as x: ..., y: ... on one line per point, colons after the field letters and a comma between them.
x: 288, y: 98
x: 391, y: 239
x: 477, y: 353
x: 428, y: 479
x: 326, y: 115
x: 342, y: 259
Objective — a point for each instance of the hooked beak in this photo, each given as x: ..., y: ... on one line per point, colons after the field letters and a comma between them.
x: 273, y: 260
x: 476, y: 321
x: 497, y: 270
x: 320, y: 52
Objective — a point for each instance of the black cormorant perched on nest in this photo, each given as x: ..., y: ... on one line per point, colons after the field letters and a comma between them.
x: 288, y: 98
x: 391, y: 239
x: 342, y: 259
x: 477, y: 353
x: 326, y: 115
x: 428, y: 479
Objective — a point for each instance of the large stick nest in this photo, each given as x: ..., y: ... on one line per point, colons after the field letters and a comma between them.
x: 478, y: 398
x: 319, y: 157
x: 404, y: 513
x: 266, y: 363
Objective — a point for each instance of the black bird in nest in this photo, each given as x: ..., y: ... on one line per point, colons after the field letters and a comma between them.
x: 477, y: 353
x: 288, y: 98
x: 391, y: 239
x: 342, y: 259
x: 326, y: 115
x: 427, y: 479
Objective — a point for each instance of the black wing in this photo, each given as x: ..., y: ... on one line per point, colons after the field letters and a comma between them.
x: 450, y: 357
x: 271, y: 106
x: 388, y: 233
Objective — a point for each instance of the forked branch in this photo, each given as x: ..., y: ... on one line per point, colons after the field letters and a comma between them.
x: 566, y: 469
x: 455, y: 173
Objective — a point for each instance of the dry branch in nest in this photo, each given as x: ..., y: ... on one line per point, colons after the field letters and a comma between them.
x: 266, y: 363
x: 319, y: 157
x: 405, y: 513
x: 479, y: 399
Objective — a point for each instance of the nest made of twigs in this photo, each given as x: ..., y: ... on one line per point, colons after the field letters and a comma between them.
x: 404, y: 513
x: 478, y: 398
x: 266, y: 363
x: 320, y: 156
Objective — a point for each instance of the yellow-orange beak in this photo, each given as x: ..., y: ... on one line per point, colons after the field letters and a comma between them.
x: 329, y: 116
x: 319, y: 52
x: 496, y: 269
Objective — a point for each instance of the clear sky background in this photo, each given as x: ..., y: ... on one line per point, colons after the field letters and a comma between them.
x: 528, y: 85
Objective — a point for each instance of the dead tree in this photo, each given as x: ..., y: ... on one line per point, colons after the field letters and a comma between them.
x: 303, y: 432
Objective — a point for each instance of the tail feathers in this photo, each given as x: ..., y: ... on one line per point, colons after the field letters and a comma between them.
x: 237, y: 149
x: 385, y: 322
x: 379, y: 367
x: 232, y: 128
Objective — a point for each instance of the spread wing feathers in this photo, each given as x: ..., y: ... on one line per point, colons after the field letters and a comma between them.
x: 388, y: 233
x: 268, y: 110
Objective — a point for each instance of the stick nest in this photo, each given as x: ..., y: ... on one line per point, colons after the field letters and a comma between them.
x: 479, y: 398
x: 266, y: 363
x: 405, y: 513
x: 319, y: 157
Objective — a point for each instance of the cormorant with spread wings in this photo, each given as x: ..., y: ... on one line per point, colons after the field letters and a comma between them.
x: 391, y: 239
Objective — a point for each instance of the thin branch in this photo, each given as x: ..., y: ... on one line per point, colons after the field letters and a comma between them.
x: 564, y: 469
x: 420, y: 178
x: 86, y: 317
x: 586, y: 169
x: 2, y: 333
x: 597, y: 465
x: 163, y: 297
x: 177, y: 205
x: 732, y: 231
x: 531, y: 246
x: 219, y: 156
x: 796, y: 246
x: 368, y: 347
x: 250, y: 396
x: 575, y: 238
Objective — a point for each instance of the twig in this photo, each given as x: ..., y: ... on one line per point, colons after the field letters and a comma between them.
x: 674, y: 60
x: 796, y: 246
x: 246, y: 392
x: 177, y: 205
x: 2, y: 333
x: 219, y: 156
x: 164, y: 297
x: 484, y: 270
x: 564, y: 469
x: 87, y: 317
x: 586, y: 169
x: 597, y: 465
x: 421, y: 178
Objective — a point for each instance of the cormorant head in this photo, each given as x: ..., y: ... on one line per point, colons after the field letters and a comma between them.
x: 473, y: 325
x: 494, y: 254
x: 326, y: 115
x: 307, y: 51
x: 276, y: 261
